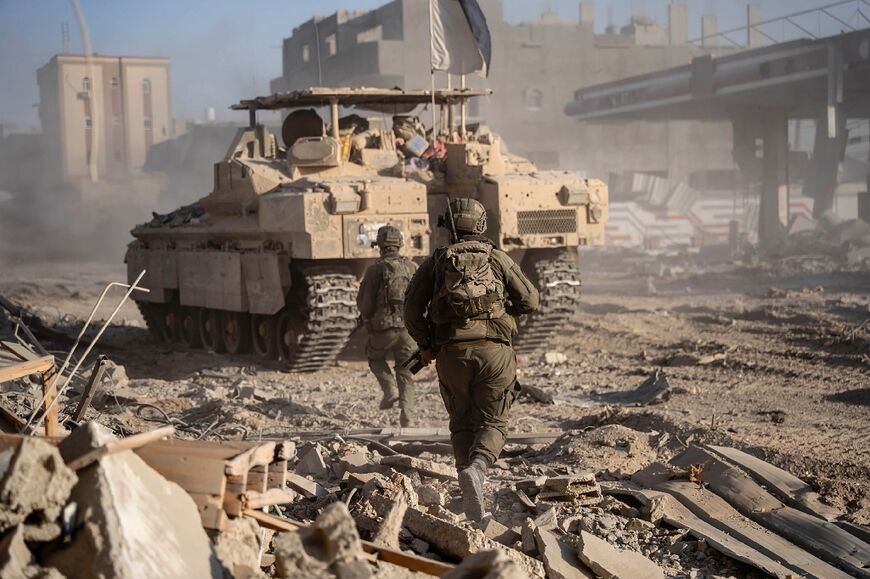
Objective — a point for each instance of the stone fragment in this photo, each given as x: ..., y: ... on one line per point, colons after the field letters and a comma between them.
x: 429, y: 496
x: 419, y: 546
x: 560, y: 559
x: 609, y: 562
x: 330, y: 547
x: 425, y: 467
x: 485, y: 565
x: 14, y: 554
x: 307, y: 487
x: 547, y: 520
x: 494, y: 530
x: 555, y: 358
x: 402, y: 497
x: 238, y: 548
x: 35, y: 488
x: 529, y: 545
x: 460, y: 542
x: 131, y: 522
x: 311, y: 462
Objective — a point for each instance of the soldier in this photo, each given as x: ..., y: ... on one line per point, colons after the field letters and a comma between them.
x: 380, y: 300
x: 471, y: 291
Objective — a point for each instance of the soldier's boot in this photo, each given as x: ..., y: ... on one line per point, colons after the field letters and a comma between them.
x: 389, y: 399
x: 406, y: 418
x: 471, y: 481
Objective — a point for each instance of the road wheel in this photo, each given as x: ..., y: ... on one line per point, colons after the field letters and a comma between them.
x: 172, y: 321
x: 190, y: 326
x: 210, y: 331
x: 288, y: 337
x: 236, y: 332
x: 264, y: 337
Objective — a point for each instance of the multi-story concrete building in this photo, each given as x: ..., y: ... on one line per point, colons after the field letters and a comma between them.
x: 99, y: 118
x: 536, y: 67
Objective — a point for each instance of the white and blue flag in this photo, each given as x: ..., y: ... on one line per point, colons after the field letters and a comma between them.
x: 461, y: 42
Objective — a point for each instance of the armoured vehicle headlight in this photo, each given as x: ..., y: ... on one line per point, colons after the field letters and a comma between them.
x: 573, y: 195
x: 595, y: 213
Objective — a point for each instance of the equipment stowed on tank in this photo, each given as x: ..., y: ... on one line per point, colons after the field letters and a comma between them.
x: 269, y: 261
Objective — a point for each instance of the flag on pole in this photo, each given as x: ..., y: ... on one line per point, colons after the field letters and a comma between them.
x: 461, y: 42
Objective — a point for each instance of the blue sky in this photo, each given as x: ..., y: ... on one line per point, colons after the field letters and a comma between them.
x: 225, y: 50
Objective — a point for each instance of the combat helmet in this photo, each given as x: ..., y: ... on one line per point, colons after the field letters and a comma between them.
x: 389, y: 236
x: 469, y: 216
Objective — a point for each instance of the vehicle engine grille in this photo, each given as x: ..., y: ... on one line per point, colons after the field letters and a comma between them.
x: 547, y: 221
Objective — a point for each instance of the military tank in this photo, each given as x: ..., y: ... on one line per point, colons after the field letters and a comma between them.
x: 269, y: 261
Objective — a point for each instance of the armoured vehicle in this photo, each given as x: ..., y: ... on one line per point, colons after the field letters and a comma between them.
x: 269, y: 260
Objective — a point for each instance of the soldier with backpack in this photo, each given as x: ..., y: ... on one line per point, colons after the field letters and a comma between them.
x: 460, y: 309
x: 380, y: 301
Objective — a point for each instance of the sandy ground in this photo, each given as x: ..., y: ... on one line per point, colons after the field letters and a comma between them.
x: 773, y: 362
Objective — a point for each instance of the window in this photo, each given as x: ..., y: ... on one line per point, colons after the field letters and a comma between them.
x: 306, y: 53
x: 88, y: 122
x: 146, y: 86
x: 533, y: 99
x: 148, y: 123
x: 116, y: 120
x: 115, y: 82
x: 86, y: 84
x: 331, y: 44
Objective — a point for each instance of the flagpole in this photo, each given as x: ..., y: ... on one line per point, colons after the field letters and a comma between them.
x: 462, y: 110
x: 432, y: 66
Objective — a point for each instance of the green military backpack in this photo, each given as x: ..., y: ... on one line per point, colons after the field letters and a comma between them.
x: 396, y: 274
x: 466, y: 286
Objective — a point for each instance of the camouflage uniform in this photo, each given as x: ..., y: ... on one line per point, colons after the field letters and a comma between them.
x: 478, y: 377
x: 387, y: 334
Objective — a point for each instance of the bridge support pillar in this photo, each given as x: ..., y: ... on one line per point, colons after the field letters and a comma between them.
x: 821, y: 183
x: 773, y: 210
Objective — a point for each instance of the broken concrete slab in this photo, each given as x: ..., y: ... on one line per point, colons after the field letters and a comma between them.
x: 311, y: 462
x: 485, y: 565
x: 653, y: 390
x: 331, y: 546
x: 14, y: 554
x: 609, y: 562
x: 560, y: 559
x: 238, y: 549
x: 546, y: 520
x: 494, y: 530
x: 306, y: 487
x: 35, y: 488
x: 402, y: 498
x: 131, y: 521
x: 429, y: 496
x: 425, y: 467
x: 461, y: 542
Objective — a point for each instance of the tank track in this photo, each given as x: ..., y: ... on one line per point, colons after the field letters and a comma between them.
x: 558, y: 279
x: 147, y: 310
x: 330, y: 317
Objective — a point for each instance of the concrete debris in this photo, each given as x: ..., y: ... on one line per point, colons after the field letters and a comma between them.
x: 330, y: 548
x: 560, y: 559
x: 131, y: 521
x: 486, y: 565
x: 609, y: 562
x: 653, y: 390
x: 311, y: 461
x: 402, y: 498
x: 494, y: 530
x: 238, y: 549
x: 424, y: 467
x: 429, y: 496
x: 555, y: 358
x: 35, y: 489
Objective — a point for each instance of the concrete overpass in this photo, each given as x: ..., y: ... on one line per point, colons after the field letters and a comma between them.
x: 758, y: 90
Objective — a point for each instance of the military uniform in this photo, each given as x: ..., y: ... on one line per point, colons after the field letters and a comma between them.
x: 475, y: 361
x: 387, y: 335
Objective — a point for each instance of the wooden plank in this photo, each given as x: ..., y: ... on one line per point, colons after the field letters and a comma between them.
x: 677, y: 515
x: 713, y: 509
x: 91, y: 388
x: 785, y: 485
x: 14, y: 370
x: 130, y: 443
x: 825, y: 540
x: 49, y: 393
x: 210, y: 511
x: 19, y: 351
x: 195, y: 474
x: 396, y: 557
x: 260, y: 455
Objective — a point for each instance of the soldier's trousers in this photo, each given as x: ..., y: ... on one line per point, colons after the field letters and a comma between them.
x: 479, y: 385
x: 397, y: 343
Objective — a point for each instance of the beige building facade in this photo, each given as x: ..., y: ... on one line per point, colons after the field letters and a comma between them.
x: 101, y: 115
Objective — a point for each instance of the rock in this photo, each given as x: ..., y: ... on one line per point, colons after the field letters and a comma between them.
x: 429, y: 496
x: 331, y: 546
x: 307, y: 487
x: 639, y: 525
x: 131, y: 521
x: 311, y: 462
x: 494, y: 530
x: 425, y: 467
x: 419, y: 546
x: 555, y: 358
x: 485, y: 565
x: 402, y: 498
x: 560, y: 560
x: 35, y: 488
x: 460, y: 542
x: 14, y: 554
x: 529, y: 545
x: 238, y: 548
x: 609, y: 562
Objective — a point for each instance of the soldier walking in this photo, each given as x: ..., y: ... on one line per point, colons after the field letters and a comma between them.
x: 460, y: 310
x: 380, y: 301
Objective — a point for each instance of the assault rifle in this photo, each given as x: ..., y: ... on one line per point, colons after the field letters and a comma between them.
x: 449, y: 223
x: 415, y: 363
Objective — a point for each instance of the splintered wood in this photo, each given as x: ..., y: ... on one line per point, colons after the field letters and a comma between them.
x: 224, y: 478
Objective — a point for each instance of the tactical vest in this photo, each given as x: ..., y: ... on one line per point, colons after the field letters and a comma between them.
x: 467, y: 289
x: 395, y: 275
